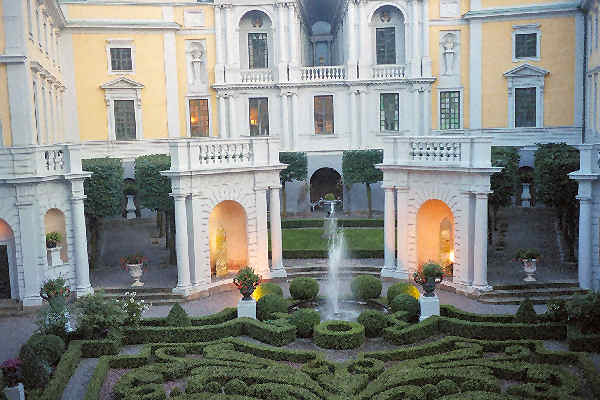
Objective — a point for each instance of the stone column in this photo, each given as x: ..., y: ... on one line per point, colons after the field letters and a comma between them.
x: 201, y: 276
x: 43, y: 114
x: 351, y: 61
x: 416, y: 62
x: 262, y: 244
x: 29, y: 230
x: 219, y: 46
x: 234, y: 129
x: 363, y: 136
x: 53, y: 114
x: 283, y: 43
x: 181, y: 241
x: 61, y: 116
x: 402, y: 232
x: 285, y: 121
x: 354, y: 129
x: 389, y: 229
x: 232, y: 46
x: 427, y: 111
x: 295, y: 122
x: 276, y: 245
x: 585, y: 240
x: 293, y: 39
x: 480, y: 245
x: 82, y: 268
x: 38, y: 107
x: 222, y: 116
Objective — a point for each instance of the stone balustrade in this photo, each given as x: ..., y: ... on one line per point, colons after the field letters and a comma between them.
x: 323, y: 73
x: 389, y: 71
x: 40, y: 161
x: 256, y: 75
x: 443, y: 151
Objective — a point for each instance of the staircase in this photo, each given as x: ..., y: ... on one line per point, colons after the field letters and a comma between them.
x: 10, y: 307
x: 152, y: 296
x: 319, y: 272
x: 538, y: 292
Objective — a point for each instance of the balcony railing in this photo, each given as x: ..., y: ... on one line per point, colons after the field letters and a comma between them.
x: 389, y: 71
x: 323, y: 73
x: 40, y: 161
x: 256, y: 75
x: 451, y: 151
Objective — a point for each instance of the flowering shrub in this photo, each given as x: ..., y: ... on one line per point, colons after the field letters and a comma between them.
x: 55, y: 288
x: 11, y: 370
x: 133, y: 259
x: 246, y: 281
x: 132, y: 308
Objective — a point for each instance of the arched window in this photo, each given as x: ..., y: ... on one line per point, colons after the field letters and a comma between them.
x: 388, y: 22
x: 255, y: 40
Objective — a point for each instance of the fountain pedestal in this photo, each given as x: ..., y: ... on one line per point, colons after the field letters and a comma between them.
x: 247, y: 308
x: 429, y: 306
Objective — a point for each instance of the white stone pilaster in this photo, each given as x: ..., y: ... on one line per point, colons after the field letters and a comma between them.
x: 295, y: 121
x: 181, y: 242
x: 364, y: 126
x: 354, y: 129
x: 427, y: 112
x: 262, y: 242
x: 402, y: 232
x: 234, y: 129
x: 222, y: 117
x: 219, y: 46
x: 416, y: 16
x: 82, y: 268
x: 29, y: 231
x: 389, y: 229
x: 44, y: 112
x: 585, y: 240
x: 480, y: 245
x: 171, y: 84
x: 293, y: 37
x: 200, y: 270
x: 283, y: 58
x: 51, y: 115
x: 276, y: 243
x: 352, y: 40
x: 285, y: 121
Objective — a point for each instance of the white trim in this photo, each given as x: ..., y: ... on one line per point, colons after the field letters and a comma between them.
x: 475, y: 79
x: 187, y: 114
x: 525, y: 30
x: 522, y: 11
x: 171, y: 84
x: 123, y: 88
x: 120, y: 44
x: 123, y: 24
x: 521, y: 77
x: 461, y: 91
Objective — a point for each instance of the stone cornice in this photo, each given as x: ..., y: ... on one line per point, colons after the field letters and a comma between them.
x: 125, y: 24
x: 537, y: 9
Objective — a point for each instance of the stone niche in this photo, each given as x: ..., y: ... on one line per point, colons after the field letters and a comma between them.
x: 449, y: 48
x: 195, y: 51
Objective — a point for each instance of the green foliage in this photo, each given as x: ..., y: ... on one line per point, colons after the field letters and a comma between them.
x: 36, y: 371
x: 48, y: 347
x: 235, y: 386
x: 358, y: 166
x: 97, y: 316
x: 267, y: 288
x: 401, y: 288
x: 178, y: 317
x: 373, y: 321
x: 153, y: 188
x: 405, y: 302
x: 432, y: 270
x: 52, y: 239
x: 505, y: 182
x: 447, y: 386
x: 269, y: 304
x: 297, y: 167
x: 584, y: 310
x: 365, y: 287
x: 526, y: 313
x: 556, y: 311
x: 104, y: 189
x: 303, y: 288
x: 339, y: 335
x: 305, y: 320
x: 53, y: 318
x: 527, y: 254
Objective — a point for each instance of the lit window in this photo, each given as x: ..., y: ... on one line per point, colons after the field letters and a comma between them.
x: 525, y: 107
x: 324, y: 114
x: 449, y: 110
x: 258, y: 53
x: 199, y: 118
x: 386, y: 45
x: 259, y: 116
x: 124, y: 120
x: 120, y: 59
x: 388, y: 110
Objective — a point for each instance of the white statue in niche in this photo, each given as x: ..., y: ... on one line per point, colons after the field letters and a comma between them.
x: 449, y: 53
x: 196, y: 64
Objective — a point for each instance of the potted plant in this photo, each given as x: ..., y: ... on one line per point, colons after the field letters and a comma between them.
x: 11, y: 371
x: 428, y: 275
x: 134, y: 264
x: 528, y: 258
x: 52, y: 241
x: 56, y: 292
x: 246, y: 281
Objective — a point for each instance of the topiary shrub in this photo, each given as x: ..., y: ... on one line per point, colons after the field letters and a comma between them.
x: 401, y: 288
x: 47, y: 347
x: 304, y: 289
x: 405, y: 302
x: 97, y: 316
x: 367, y: 366
x: 373, y: 321
x: 305, y: 320
x: 526, y: 313
x: 269, y: 304
x: 267, y: 288
x: 340, y: 335
x: 431, y: 392
x: 584, y: 310
x: 212, y: 387
x: 235, y: 386
x: 36, y: 371
x: 446, y: 386
x: 178, y: 317
x: 366, y: 287
x: 557, y: 311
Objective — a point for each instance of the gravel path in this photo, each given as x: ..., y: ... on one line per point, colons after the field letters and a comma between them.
x: 77, y: 386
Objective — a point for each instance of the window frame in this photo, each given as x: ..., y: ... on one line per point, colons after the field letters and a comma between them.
x: 114, y: 111
x: 461, y: 110
x: 324, y: 133
x: 120, y: 44
x: 395, y: 47
x: 535, y: 90
x: 526, y: 30
x: 265, y: 56
x: 258, y: 114
x: 189, y: 115
x: 382, y: 121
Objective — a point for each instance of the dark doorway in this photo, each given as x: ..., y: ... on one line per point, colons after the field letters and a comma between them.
x: 324, y: 181
x: 4, y: 273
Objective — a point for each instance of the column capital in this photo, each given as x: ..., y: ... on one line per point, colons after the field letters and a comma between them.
x: 402, y: 189
x: 482, y: 195
x: 584, y: 199
x: 179, y: 196
x: 275, y: 187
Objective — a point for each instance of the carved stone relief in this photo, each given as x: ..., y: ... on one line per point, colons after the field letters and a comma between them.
x: 449, y: 50
x: 196, y: 65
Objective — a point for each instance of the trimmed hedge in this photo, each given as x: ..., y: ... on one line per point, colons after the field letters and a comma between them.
x: 178, y: 317
x: 305, y: 320
x: 266, y: 288
x: 340, y: 335
x: 314, y: 253
x: 365, y: 287
x: 225, y: 315
x: 581, y: 342
x: 318, y: 223
x: 267, y: 305
x: 373, y: 321
x: 407, y: 303
x: 63, y: 372
x: 447, y: 310
x: 304, y: 288
x: 401, y: 288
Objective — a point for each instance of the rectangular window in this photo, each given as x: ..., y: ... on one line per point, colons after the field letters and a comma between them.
x: 449, y: 110
x: 386, y: 45
x: 259, y: 116
x: 199, y: 118
x: 526, y: 45
x: 525, y: 107
x: 324, y: 114
x: 124, y: 120
x: 120, y: 59
x: 258, y: 53
x: 389, y: 112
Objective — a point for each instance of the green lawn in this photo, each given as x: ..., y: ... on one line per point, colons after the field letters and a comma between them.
x: 310, y: 239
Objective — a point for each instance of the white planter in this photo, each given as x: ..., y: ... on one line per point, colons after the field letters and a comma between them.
x: 15, y: 392
x: 526, y: 196
x: 136, y: 271
x: 54, y: 256
x: 429, y: 306
x: 247, y: 308
x: 130, y: 207
x: 529, y: 266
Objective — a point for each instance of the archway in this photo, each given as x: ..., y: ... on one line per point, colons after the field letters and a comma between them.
x: 389, y: 35
x: 8, y: 274
x: 228, y: 238
x: 256, y: 41
x: 325, y: 181
x: 54, y: 221
x: 435, y: 233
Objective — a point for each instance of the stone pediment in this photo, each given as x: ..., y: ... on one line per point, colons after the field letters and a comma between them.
x: 122, y: 82
x: 526, y: 70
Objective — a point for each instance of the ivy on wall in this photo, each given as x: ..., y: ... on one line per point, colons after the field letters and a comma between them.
x: 296, y: 171
x: 358, y: 166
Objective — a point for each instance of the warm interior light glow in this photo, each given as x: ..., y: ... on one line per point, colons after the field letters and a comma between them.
x: 451, y: 257
x: 194, y: 119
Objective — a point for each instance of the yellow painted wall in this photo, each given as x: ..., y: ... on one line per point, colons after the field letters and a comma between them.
x: 434, y: 52
x: 91, y: 71
x: 513, y: 3
x: 557, y: 56
x: 113, y: 12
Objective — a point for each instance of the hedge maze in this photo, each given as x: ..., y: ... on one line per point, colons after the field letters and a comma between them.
x: 455, y: 366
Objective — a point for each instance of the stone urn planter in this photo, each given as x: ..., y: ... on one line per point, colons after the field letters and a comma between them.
x: 134, y: 265
x: 54, y: 256
x: 247, y: 281
x: 528, y: 258
x: 15, y: 392
x: 428, y: 276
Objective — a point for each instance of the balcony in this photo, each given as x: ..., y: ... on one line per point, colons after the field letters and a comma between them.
x: 323, y: 73
x: 40, y: 161
x: 389, y: 71
x: 256, y: 75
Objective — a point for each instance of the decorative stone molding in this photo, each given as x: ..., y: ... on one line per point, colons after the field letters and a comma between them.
x: 120, y: 43
x: 449, y: 8
x: 123, y: 88
x: 526, y: 76
x: 196, y: 66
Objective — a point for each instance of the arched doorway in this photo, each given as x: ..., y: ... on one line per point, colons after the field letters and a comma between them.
x: 228, y: 238
x: 325, y: 181
x: 435, y: 233
x: 8, y: 274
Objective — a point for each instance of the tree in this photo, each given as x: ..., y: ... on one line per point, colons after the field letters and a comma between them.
x: 358, y: 166
x: 553, y: 163
x: 104, y: 191
x: 505, y: 182
x: 296, y: 171
x: 154, y: 193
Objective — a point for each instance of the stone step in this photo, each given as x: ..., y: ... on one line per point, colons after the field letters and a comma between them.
x: 148, y: 296
x: 537, y: 285
x: 10, y: 307
x: 139, y: 291
x: 537, y: 292
x: 517, y: 300
x: 324, y: 268
x: 323, y: 274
